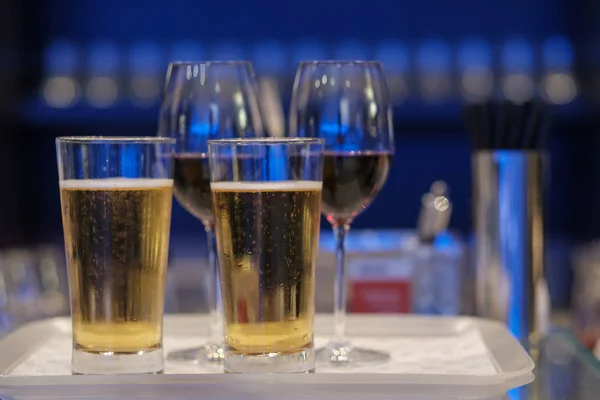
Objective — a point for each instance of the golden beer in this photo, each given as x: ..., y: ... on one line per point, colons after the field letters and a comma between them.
x: 267, y: 242
x: 117, y: 241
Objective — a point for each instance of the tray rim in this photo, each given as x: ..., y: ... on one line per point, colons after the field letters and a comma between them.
x: 17, y: 346
x: 226, y: 386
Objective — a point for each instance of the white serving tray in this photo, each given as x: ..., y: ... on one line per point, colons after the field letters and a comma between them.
x: 433, y: 357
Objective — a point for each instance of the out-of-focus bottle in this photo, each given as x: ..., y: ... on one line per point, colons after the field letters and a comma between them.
x: 5, y: 323
x: 396, y: 62
x: 449, y: 261
x: 103, y: 72
x: 517, y: 71
x: 434, y: 71
x: 558, y: 80
x: 475, y: 67
x: 435, y: 273
x: 146, y: 73
x: 22, y: 286
x: 53, y: 298
x: 62, y: 69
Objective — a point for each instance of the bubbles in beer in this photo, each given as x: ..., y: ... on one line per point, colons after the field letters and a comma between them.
x: 116, y: 241
x: 267, y: 241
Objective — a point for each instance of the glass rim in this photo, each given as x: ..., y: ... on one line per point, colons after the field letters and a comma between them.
x: 265, y: 141
x: 341, y: 63
x: 116, y: 139
x: 208, y: 63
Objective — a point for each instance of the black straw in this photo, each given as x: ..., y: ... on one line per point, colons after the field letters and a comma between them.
x: 508, y: 126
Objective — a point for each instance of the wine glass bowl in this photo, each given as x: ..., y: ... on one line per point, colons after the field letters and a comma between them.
x: 346, y: 103
x: 351, y: 181
x: 204, y: 101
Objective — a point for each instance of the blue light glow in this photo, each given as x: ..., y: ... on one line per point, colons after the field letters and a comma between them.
x: 474, y: 52
x: 558, y: 53
x: 517, y: 56
x: 61, y: 58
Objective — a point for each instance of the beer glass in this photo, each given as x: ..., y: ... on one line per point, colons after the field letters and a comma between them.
x: 116, y: 195
x: 202, y: 101
x: 266, y: 199
x: 347, y: 104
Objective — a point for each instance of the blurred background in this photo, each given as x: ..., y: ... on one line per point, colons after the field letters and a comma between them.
x: 93, y: 67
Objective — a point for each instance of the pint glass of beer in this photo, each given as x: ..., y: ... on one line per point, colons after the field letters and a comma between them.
x: 266, y: 199
x: 116, y: 196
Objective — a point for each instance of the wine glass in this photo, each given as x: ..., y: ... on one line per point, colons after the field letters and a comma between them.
x: 204, y: 101
x: 347, y: 104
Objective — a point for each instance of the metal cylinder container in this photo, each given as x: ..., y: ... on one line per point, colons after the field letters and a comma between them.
x: 508, y: 206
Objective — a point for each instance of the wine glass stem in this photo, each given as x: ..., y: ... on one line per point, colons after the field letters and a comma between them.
x: 339, y: 304
x: 214, y: 294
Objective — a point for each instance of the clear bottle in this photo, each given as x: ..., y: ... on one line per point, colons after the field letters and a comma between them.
x: 429, y: 263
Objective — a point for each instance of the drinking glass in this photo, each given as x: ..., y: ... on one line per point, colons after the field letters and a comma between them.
x: 266, y: 196
x: 202, y: 101
x: 347, y: 104
x: 116, y: 196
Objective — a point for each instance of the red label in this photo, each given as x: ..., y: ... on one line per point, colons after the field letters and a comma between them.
x: 380, y: 297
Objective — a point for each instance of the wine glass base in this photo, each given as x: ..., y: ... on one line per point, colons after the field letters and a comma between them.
x: 344, y: 354
x: 209, y: 354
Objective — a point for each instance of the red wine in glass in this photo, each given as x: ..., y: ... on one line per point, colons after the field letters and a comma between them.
x: 351, y: 181
x: 191, y: 181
